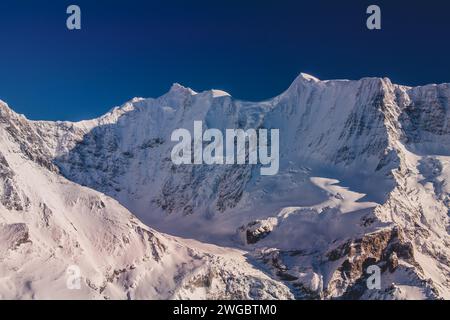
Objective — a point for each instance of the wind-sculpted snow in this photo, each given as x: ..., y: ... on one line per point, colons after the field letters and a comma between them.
x: 363, y: 181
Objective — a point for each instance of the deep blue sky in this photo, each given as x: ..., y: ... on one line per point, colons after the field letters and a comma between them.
x: 252, y: 49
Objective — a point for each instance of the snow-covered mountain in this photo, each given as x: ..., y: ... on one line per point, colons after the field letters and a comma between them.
x: 49, y: 224
x: 363, y: 180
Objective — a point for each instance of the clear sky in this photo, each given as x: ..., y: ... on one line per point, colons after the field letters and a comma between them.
x: 252, y: 49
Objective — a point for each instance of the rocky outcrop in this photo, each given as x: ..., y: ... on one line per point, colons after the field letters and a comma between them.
x: 12, y: 236
x: 383, y: 248
x: 256, y: 230
x: 11, y: 197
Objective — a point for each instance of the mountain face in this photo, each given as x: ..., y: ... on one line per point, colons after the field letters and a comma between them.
x: 363, y: 181
x: 49, y: 225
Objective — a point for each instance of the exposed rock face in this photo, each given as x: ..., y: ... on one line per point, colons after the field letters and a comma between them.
x: 256, y: 230
x: 382, y: 248
x: 10, y: 195
x: 425, y: 118
x: 14, y: 235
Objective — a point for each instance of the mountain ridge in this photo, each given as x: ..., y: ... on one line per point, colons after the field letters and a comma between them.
x: 364, y: 171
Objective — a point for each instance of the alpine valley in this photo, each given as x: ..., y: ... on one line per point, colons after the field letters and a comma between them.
x: 363, y: 180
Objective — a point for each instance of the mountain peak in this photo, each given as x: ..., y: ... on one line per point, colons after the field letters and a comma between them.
x: 3, y: 105
x: 178, y: 88
x: 308, y: 77
x: 5, y: 110
x: 219, y: 93
x: 302, y: 80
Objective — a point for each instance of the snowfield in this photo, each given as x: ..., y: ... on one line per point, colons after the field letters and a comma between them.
x: 363, y: 180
